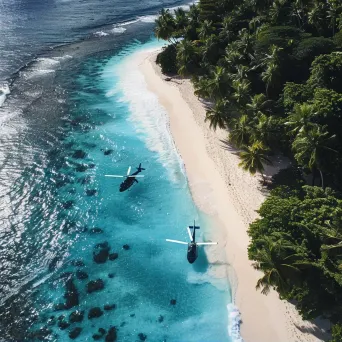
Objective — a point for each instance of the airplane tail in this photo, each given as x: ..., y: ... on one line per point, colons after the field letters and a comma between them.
x: 139, y: 168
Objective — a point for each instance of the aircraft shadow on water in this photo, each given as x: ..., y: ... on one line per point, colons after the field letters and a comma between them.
x: 130, y: 178
x: 192, y: 253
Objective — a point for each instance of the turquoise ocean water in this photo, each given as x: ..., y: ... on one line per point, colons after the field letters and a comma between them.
x: 101, y: 120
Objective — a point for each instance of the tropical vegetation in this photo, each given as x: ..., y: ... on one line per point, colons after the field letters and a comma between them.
x: 272, y: 70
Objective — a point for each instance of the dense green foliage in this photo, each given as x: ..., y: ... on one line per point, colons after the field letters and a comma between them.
x: 167, y: 60
x: 273, y: 71
x: 297, y: 242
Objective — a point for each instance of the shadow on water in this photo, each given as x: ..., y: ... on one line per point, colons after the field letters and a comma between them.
x: 201, y: 264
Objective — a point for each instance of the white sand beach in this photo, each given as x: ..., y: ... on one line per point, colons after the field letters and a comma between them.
x: 231, y: 197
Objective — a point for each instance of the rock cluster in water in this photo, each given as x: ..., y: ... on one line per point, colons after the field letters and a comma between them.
x: 74, y: 333
x: 101, y: 252
x: 95, y: 285
x: 95, y: 313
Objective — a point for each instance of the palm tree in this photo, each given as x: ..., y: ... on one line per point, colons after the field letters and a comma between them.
x: 297, y: 12
x: 165, y: 26
x: 271, y: 75
x: 241, y: 73
x: 333, y: 11
x: 218, y: 115
x: 226, y: 32
x: 300, y: 119
x: 264, y: 129
x: 210, y: 51
x: 181, y: 20
x: 253, y: 157
x: 317, y: 16
x: 241, y: 92
x: 201, y: 85
x: 245, y: 42
x: 205, y: 29
x: 280, y: 262
x: 185, y: 56
x: 311, y: 148
x: 240, y: 131
x: 218, y: 83
x: 258, y: 105
x: 275, y: 10
x: 272, y: 63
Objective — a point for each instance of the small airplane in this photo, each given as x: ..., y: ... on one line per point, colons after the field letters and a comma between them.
x: 130, y: 179
x: 192, y: 245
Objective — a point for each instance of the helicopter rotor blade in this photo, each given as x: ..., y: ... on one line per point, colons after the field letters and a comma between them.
x: 129, y: 171
x: 135, y: 176
x: 176, y: 241
x: 115, y: 176
x: 189, y: 232
x: 206, y: 243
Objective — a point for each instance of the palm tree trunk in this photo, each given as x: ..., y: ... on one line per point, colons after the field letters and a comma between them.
x: 313, y: 177
x: 322, y: 184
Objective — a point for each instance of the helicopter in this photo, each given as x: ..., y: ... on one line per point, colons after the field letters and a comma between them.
x: 192, y: 245
x: 130, y: 178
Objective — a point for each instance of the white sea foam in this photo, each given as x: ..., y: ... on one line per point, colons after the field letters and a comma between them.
x: 234, y: 322
x: 4, y: 91
x: 118, y: 29
x: 148, y: 18
x: 149, y: 117
x: 101, y: 34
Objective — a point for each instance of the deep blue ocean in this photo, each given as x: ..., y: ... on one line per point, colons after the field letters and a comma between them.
x: 74, y: 107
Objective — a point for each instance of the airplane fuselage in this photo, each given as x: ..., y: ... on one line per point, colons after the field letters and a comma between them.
x: 192, y: 252
x: 128, y: 182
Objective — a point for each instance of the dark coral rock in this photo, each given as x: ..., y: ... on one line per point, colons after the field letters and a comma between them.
x: 160, y: 318
x: 142, y: 337
x: 108, y: 307
x: 60, y: 306
x: 112, y: 335
x: 132, y: 315
x: 63, y: 325
x: 95, y: 313
x: 74, y: 333
x: 81, y: 275
x: 95, y: 231
x: 81, y: 167
x: 79, y: 154
x: 102, y: 331
x: 68, y: 204
x: 76, y: 316
x: 71, y: 294
x: 97, y: 337
x: 91, y: 192
x: 61, y: 317
x: 101, y: 252
x: 84, y: 180
x: 107, y: 152
x: 126, y: 247
x: 95, y: 285
x: 122, y: 324
x: 111, y: 275
x: 77, y: 263
x: 173, y: 301
x: 113, y: 256
x: 91, y: 165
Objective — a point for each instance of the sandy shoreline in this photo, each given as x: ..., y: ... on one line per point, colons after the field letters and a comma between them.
x: 230, y: 196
